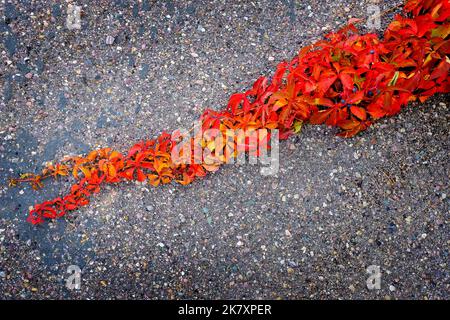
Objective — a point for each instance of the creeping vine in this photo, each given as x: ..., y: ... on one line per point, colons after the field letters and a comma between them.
x: 348, y: 80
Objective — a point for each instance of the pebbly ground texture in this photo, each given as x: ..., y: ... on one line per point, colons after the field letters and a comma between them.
x: 136, y: 68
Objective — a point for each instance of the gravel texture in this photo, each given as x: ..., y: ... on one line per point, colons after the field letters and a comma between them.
x: 136, y: 68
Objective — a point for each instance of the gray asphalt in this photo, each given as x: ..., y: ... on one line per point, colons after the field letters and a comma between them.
x: 336, y: 207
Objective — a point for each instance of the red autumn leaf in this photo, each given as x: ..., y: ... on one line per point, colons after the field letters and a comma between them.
x: 347, y: 81
x: 320, y: 116
x: 235, y: 101
x: 355, y: 98
x: 424, y: 24
x: 359, y: 112
x: 441, y: 72
x: 325, y: 83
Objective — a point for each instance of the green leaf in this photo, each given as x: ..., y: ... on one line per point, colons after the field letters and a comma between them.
x: 394, y: 79
x: 298, y: 126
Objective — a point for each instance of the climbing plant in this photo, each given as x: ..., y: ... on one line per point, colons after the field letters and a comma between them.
x: 347, y: 80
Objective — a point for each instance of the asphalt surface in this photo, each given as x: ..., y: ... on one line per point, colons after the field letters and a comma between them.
x: 336, y: 207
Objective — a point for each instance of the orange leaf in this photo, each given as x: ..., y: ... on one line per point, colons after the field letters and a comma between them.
x: 320, y: 116
x: 111, y: 171
x: 359, y: 112
x: 153, y: 179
